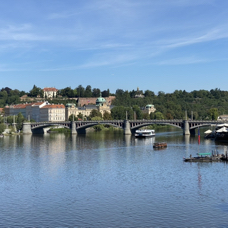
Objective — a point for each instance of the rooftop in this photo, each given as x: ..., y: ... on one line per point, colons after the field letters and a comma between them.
x: 50, y: 89
x: 54, y: 106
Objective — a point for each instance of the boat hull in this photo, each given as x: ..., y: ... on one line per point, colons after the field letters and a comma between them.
x: 144, y: 133
x: 222, y: 137
x: 203, y: 159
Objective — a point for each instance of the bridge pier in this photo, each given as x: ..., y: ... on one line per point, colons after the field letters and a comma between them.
x: 27, y: 128
x: 186, y: 128
x: 127, y: 127
x: 73, y: 127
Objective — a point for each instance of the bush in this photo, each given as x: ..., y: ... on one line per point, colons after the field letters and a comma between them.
x: 2, y: 128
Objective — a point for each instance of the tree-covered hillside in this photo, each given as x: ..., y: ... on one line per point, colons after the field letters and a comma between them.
x: 204, y: 104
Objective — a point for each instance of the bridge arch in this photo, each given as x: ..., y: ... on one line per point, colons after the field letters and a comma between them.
x: 86, y: 125
x: 35, y: 126
x: 138, y: 126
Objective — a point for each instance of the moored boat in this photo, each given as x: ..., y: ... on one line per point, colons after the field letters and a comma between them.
x: 144, y: 133
x: 209, y: 134
x: 160, y: 145
x: 222, y: 134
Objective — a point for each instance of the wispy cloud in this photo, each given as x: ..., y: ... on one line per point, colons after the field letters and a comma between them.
x: 21, y: 32
x: 211, y: 35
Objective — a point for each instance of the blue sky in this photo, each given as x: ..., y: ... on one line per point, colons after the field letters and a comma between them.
x: 164, y: 45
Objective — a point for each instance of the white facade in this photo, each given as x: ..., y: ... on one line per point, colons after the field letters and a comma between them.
x: 52, y: 113
x: 50, y: 92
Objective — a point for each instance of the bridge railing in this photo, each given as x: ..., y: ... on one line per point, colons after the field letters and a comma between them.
x: 135, y: 121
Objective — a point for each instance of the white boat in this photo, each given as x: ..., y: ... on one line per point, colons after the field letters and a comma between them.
x: 144, y: 133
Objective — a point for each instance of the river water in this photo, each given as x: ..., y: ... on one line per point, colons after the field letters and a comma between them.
x: 110, y: 180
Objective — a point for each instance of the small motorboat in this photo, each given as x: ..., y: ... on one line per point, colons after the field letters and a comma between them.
x: 160, y: 145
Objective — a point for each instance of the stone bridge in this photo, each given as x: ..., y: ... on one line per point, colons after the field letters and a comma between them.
x: 129, y: 126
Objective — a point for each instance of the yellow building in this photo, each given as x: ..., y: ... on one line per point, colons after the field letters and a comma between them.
x: 101, y: 106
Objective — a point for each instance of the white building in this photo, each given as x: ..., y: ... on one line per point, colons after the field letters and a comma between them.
x: 50, y: 92
x: 39, y: 111
x: 35, y: 110
x: 223, y: 117
x: 149, y: 109
x: 52, y: 113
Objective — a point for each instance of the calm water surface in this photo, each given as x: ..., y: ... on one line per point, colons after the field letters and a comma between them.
x: 110, y: 180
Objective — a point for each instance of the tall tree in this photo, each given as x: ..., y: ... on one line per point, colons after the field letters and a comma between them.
x: 80, y: 91
x: 35, y: 91
x: 105, y: 93
x: 88, y: 91
x: 96, y: 92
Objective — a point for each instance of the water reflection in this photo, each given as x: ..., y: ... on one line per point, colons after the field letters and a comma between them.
x: 107, y: 179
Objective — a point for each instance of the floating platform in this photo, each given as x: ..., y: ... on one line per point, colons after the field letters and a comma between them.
x: 206, y: 157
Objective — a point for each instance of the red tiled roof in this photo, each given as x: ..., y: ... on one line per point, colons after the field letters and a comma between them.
x: 1, y: 109
x: 38, y: 103
x: 50, y: 89
x: 54, y: 106
x: 22, y: 105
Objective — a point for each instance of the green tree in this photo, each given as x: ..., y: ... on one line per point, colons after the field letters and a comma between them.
x: 96, y: 92
x: 214, y: 113
x: 2, y: 127
x: 118, y: 113
x: 19, y: 120
x: 72, y: 116
x: 98, y: 127
x: 146, y: 116
x: 107, y: 116
x: 88, y: 91
x: 138, y: 112
x: 67, y: 92
x: 80, y: 91
x: 80, y: 116
x: 95, y: 113
x: 35, y: 91
x: 105, y: 93
x: 149, y: 93
x: 159, y: 116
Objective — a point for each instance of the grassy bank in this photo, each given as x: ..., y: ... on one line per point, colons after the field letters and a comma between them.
x: 59, y: 130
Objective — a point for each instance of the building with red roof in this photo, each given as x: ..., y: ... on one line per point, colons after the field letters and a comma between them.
x: 50, y: 92
x: 52, y: 113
